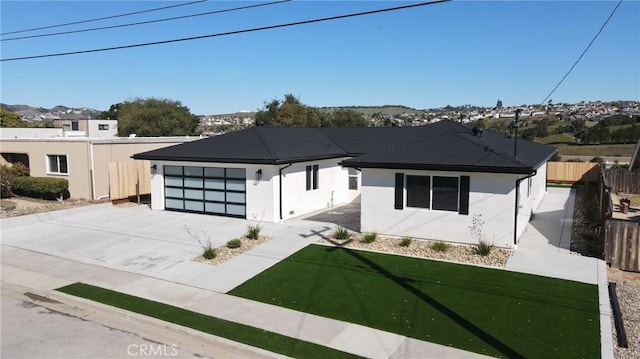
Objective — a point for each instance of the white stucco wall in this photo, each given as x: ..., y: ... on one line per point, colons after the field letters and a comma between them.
x: 530, y: 198
x: 491, y: 195
x: 93, y: 128
x: 333, y: 188
x: 263, y: 197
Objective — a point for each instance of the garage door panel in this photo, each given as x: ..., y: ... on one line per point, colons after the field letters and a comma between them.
x: 233, y: 185
x: 174, y: 203
x: 218, y: 208
x: 197, y: 206
x: 214, y: 196
x: 214, y: 183
x: 235, y: 197
x: 194, y: 194
x: 235, y: 209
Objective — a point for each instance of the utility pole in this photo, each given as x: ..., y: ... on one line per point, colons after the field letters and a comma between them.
x: 516, y: 124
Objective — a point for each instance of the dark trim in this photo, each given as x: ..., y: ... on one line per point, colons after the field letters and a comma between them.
x: 617, y: 316
x: 517, y: 208
x: 280, y: 181
x: 439, y: 167
x: 308, y: 177
x: 281, y: 161
x: 463, y: 206
x: 316, y: 169
x: 206, y: 213
x: 399, y: 191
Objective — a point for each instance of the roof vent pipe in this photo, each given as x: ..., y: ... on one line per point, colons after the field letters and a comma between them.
x: 477, y: 131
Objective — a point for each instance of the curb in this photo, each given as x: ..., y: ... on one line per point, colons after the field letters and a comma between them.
x: 149, y: 328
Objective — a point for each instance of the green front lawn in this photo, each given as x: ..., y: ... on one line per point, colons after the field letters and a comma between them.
x: 488, y: 311
x: 255, y: 337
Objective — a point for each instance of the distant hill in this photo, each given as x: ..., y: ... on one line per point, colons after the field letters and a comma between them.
x: 370, y: 110
x: 29, y: 113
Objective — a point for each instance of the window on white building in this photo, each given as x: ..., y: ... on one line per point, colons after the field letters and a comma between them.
x: 312, y: 177
x: 441, y: 193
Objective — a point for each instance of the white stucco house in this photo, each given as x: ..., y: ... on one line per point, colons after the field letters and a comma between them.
x: 424, y: 182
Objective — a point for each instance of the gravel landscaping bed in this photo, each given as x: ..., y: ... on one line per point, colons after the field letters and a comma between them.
x: 422, y: 248
x: 20, y: 206
x: 223, y: 253
x: 629, y: 299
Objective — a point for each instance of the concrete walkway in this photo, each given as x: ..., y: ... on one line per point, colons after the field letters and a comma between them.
x: 149, y: 254
x: 544, y: 249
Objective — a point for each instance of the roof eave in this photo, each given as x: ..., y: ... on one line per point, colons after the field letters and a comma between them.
x: 435, y: 167
x: 237, y: 160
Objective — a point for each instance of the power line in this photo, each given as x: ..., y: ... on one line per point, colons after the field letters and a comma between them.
x: 147, y: 22
x: 229, y: 32
x: 583, y: 52
x: 104, y: 18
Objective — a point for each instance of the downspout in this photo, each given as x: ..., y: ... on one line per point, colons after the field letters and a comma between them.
x: 517, y: 208
x: 280, y: 183
x: 93, y: 174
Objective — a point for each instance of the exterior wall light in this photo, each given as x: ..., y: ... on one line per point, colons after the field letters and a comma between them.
x: 153, y: 169
x: 259, y: 175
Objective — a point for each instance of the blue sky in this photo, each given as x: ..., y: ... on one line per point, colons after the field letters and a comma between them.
x: 454, y: 53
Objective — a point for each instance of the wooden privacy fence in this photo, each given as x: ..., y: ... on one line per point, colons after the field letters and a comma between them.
x: 622, y: 180
x: 622, y: 244
x: 571, y: 172
x: 128, y: 179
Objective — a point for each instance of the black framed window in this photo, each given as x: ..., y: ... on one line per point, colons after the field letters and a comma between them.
x: 445, y: 193
x: 103, y: 126
x: 312, y: 177
x: 418, y: 191
x: 433, y: 192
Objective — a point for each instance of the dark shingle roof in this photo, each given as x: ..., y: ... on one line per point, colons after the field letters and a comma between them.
x: 445, y: 145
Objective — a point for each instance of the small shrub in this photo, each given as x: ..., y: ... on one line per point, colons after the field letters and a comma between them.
x: 341, y: 233
x: 8, y: 173
x: 253, y: 231
x: 41, y: 187
x: 209, y: 253
x: 593, y: 244
x: 234, y: 243
x: 440, y: 246
x: 406, y: 241
x: 484, y: 248
x: 369, y: 237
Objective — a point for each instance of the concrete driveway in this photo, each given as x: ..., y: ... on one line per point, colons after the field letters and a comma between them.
x: 155, y: 243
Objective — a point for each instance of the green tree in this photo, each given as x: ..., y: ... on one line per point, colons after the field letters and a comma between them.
x: 10, y: 119
x: 152, y: 117
x: 348, y: 118
x: 290, y: 112
x: 111, y: 113
x: 499, y: 104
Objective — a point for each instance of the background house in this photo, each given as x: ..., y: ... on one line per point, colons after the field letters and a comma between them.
x: 84, y: 162
x: 94, y: 128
